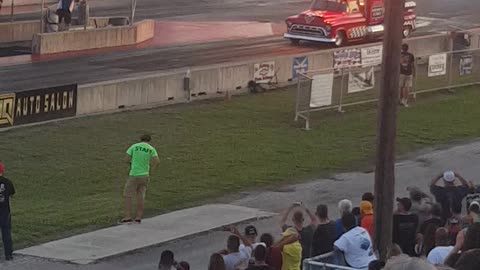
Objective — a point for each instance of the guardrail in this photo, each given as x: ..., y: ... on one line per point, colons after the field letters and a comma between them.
x: 325, y: 262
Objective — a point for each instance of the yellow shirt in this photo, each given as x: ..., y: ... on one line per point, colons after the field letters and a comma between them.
x: 292, y: 256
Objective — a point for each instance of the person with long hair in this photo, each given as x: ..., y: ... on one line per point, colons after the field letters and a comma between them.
x: 216, y: 262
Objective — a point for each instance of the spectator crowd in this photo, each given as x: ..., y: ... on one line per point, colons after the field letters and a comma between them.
x: 437, y: 231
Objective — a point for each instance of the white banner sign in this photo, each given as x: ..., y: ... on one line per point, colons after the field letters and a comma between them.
x: 321, y: 90
x: 361, y: 80
x: 372, y: 55
x: 437, y: 65
x: 264, y: 72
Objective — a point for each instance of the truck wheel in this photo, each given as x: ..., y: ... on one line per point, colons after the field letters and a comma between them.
x: 340, y: 39
x: 407, y: 31
x: 295, y: 42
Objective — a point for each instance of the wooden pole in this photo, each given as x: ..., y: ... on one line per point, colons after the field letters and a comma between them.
x: 12, y: 6
x: 42, y: 16
x: 133, y: 8
x: 387, y: 109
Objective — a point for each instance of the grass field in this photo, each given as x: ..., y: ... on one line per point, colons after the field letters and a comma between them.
x: 69, y: 175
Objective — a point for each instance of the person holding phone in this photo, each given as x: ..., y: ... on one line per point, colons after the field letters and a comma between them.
x: 305, y: 232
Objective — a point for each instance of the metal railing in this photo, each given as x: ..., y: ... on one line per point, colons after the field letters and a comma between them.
x: 329, y: 89
x: 325, y: 262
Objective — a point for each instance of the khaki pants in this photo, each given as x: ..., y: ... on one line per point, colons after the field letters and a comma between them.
x: 136, y: 186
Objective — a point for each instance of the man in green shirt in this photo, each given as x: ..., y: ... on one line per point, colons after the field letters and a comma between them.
x: 140, y: 156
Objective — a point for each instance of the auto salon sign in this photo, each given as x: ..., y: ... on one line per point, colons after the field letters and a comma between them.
x: 264, y: 72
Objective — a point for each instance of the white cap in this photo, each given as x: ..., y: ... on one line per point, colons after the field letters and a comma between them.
x: 449, y: 176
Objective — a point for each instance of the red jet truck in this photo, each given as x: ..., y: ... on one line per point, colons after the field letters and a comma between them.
x: 344, y: 21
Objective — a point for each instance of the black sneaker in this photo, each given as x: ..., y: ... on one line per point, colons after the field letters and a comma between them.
x: 9, y: 258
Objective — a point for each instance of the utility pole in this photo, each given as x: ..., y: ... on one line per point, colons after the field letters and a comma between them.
x: 132, y: 9
x: 12, y: 6
x: 386, y: 130
x: 42, y: 16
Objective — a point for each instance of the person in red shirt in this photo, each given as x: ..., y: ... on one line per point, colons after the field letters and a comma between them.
x: 274, y: 254
x: 366, y: 209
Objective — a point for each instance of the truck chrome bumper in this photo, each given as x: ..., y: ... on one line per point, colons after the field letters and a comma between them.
x: 319, y: 39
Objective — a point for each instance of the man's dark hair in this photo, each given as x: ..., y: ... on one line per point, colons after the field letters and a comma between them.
x: 145, y: 138
x: 405, y: 47
x: 185, y: 265
x: 233, y: 243
x: 368, y: 196
x: 436, y: 210
x: 376, y: 265
x: 267, y: 239
x: 166, y: 258
x: 298, y: 216
x: 348, y: 221
x: 469, y: 260
x: 472, y: 237
x: 322, y: 211
x: 356, y: 211
x: 260, y: 253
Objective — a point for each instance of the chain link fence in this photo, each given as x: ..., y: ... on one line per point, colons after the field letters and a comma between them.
x: 330, y: 89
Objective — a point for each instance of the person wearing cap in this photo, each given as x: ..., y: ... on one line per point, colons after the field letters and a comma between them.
x: 355, y: 244
x: 474, y: 212
x: 142, y: 159
x: 7, y: 190
x: 366, y: 209
x: 405, y: 226
x: 291, y: 249
x: 305, y: 232
x: 251, y: 235
x: 450, y: 194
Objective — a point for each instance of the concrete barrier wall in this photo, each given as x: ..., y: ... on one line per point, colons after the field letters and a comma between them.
x: 48, y: 43
x: 8, y: 3
x: 18, y: 31
x: 211, y: 81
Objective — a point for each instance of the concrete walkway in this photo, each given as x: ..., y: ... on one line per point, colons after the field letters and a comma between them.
x: 101, y: 244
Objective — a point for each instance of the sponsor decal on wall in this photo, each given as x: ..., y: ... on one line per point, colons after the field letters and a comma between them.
x: 372, y: 55
x: 7, y: 104
x: 264, y: 72
x: 300, y: 65
x: 347, y: 58
x: 437, y: 65
x: 38, y: 105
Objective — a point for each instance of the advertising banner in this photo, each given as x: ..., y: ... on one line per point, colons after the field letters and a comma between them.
x: 466, y: 65
x: 7, y: 103
x: 300, y: 65
x: 361, y: 80
x: 40, y: 105
x: 437, y: 65
x: 264, y: 72
x: 321, y: 94
x: 372, y: 55
x: 347, y: 58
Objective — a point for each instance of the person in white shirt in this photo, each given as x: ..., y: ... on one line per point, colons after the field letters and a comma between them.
x: 234, y: 257
x: 438, y: 254
x: 355, y: 244
x: 250, y: 235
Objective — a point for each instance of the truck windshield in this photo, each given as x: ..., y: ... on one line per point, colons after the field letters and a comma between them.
x: 329, y: 5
